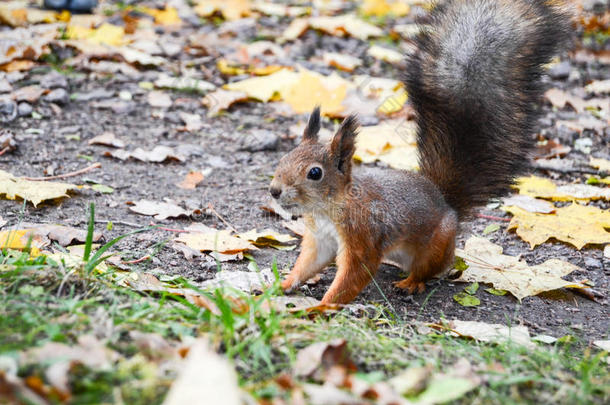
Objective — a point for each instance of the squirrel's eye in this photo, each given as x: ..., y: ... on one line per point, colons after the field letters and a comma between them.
x: 315, y: 173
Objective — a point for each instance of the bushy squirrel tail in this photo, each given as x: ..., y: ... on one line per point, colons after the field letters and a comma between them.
x: 474, y: 82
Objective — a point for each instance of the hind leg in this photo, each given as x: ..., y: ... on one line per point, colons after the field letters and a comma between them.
x: 434, y: 257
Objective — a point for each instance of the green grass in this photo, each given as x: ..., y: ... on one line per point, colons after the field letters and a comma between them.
x: 42, y: 300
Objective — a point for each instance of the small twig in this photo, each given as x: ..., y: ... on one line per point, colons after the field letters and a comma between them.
x: 211, y: 208
x: 590, y: 294
x: 63, y: 176
x: 493, y: 218
x: 102, y: 221
x: 140, y: 260
x: 161, y: 228
x: 3, y: 151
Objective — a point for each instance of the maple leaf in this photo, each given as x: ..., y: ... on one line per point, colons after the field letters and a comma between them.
x: 575, y: 224
x: 33, y: 191
x: 487, y: 264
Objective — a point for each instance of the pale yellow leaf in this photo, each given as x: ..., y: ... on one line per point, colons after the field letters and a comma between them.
x: 392, y: 142
x: 575, y: 224
x: 219, y: 241
x: 33, y: 191
x: 230, y: 9
x: 382, y: 8
x: 487, y: 264
x: 602, y: 165
x: 492, y: 332
x: 341, y: 61
x: 106, y: 34
x: 265, y: 87
x: 385, y: 54
x: 544, y: 188
x: 167, y: 16
x: 345, y: 24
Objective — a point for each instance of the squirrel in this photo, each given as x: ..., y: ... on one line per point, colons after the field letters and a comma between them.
x: 473, y: 81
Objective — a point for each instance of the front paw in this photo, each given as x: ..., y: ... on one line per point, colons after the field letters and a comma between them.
x: 288, y: 285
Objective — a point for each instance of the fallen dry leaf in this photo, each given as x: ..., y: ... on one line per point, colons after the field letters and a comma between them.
x: 159, y: 99
x: 494, y: 333
x: 312, y: 89
x: 487, y: 264
x: 575, y: 224
x: 213, y: 240
x: 602, y: 165
x: 63, y: 235
x: 33, y: 191
x: 247, y: 281
x: 165, y: 81
x: 157, y: 155
x: 341, y: 61
x: 544, y: 188
x: 192, y: 122
x: 266, y: 237
x: 392, y: 142
x: 265, y: 87
x: 204, y: 378
x: 230, y: 9
x: 221, y: 100
x: 347, y: 24
x: 316, y: 359
x: 383, y: 8
x: 107, y: 139
x: 160, y: 210
x: 191, y: 180
x: 385, y: 54
x: 598, y: 87
x: 529, y: 204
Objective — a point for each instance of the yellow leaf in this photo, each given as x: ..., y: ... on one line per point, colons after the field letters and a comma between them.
x: 167, y: 16
x: 392, y: 142
x: 218, y: 241
x: 230, y: 9
x: 534, y: 186
x: 313, y: 89
x: 487, y: 264
x: 382, y: 8
x: 106, y: 34
x: 345, y: 24
x: 33, y: 191
x: 385, y: 54
x: 227, y: 68
x: 266, y: 237
x: 575, y: 224
x: 19, y: 240
x: 394, y: 103
x: 602, y: 165
x: 266, y: 70
x: 265, y: 87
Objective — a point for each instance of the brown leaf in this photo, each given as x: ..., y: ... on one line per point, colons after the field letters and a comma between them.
x: 191, y: 180
x: 316, y: 359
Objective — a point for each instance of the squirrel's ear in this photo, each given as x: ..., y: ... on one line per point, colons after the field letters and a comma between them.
x: 343, y: 144
x: 313, y: 126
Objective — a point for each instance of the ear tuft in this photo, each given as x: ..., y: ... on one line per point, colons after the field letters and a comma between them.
x: 343, y: 144
x: 313, y: 126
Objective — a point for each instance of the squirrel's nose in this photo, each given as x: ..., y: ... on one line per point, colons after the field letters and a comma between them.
x: 275, y: 192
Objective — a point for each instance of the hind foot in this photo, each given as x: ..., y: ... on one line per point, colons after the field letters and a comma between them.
x: 411, y: 285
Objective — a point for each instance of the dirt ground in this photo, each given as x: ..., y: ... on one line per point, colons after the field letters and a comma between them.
x: 57, y: 143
